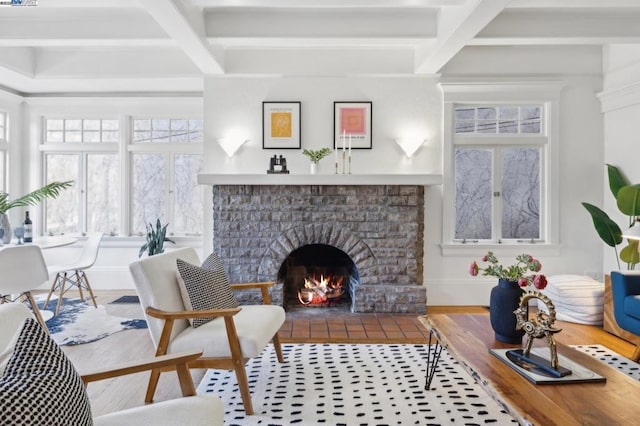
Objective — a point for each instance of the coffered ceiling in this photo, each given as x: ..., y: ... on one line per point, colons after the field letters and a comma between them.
x: 74, y: 46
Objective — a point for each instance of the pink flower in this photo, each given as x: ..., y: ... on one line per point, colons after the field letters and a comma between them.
x: 539, y: 282
x: 536, y: 265
x: 473, y: 269
x: 523, y: 282
x: 485, y: 258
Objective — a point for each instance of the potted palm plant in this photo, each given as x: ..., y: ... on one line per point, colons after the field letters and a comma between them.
x: 51, y: 190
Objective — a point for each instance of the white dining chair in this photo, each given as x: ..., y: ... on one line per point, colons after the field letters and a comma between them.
x: 23, y: 269
x: 73, y: 274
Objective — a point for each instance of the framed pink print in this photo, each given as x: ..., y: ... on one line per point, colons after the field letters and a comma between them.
x: 352, y: 125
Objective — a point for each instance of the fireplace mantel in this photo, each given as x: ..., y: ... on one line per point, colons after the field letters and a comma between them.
x: 319, y: 179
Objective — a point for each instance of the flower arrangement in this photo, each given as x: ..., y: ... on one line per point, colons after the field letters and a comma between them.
x: 316, y: 155
x: 514, y: 273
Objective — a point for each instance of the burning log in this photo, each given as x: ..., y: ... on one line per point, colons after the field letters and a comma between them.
x: 320, y: 291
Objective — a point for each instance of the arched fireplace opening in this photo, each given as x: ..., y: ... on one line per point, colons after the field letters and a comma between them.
x: 318, y: 276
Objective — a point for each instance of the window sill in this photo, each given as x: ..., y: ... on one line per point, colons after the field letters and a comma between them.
x: 475, y: 249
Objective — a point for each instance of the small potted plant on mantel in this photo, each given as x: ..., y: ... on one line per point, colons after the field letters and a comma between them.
x: 315, y: 156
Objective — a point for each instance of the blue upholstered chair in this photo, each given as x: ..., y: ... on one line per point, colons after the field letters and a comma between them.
x: 625, y: 288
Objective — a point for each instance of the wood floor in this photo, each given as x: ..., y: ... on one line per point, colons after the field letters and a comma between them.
x: 308, y: 327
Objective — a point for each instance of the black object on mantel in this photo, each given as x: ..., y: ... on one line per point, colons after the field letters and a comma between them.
x: 277, y: 165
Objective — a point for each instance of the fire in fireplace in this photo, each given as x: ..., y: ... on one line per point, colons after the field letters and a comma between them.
x: 317, y: 275
x: 321, y: 290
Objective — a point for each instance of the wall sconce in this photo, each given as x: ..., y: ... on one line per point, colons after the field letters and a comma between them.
x: 410, y: 145
x: 231, y: 144
x: 633, y: 233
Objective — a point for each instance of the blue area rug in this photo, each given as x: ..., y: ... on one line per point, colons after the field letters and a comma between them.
x: 80, y: 322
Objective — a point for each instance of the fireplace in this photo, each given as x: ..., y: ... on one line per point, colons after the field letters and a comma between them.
x: 318, y: 276
x: 376, y: 232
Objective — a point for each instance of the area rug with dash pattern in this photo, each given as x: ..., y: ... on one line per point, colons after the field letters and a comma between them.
x: 353, y: 384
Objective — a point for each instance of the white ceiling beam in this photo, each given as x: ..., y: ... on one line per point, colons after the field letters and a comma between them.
x: 326, y: 3
x: 64, y: 27
x: 20, y: 60
x: 188, y: 32
x: 49, y: 4
x: 572, y: 4
x: 392, y: 23
x: 457, y: 31
x: 557, y: 24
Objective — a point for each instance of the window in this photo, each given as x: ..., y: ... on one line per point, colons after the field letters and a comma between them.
x: 85, y: 151
x: 498, y: 157
x: 87, y: 131
x: 164, y: 158
x: 165, y: 164
x: 497, y: 181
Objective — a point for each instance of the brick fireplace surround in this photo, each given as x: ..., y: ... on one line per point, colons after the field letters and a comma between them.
x: 380, y: 227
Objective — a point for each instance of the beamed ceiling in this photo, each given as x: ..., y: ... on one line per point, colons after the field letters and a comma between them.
x: 79, y: 46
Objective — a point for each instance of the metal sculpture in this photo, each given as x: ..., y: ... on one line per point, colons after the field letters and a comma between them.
x: 540, y: 326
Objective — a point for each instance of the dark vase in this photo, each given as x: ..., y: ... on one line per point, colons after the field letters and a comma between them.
x: 505, y: 298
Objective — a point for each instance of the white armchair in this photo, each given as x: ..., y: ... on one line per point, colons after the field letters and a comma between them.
x: 228, y: 341
x: 190, y: 410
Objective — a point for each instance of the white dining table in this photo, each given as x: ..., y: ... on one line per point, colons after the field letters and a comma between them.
x: 45, y: 242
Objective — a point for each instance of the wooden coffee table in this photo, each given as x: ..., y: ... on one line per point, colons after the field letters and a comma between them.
x: 468, y: 339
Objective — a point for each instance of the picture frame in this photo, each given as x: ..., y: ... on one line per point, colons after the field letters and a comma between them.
x: 281, y: 125
x: 352, y: 125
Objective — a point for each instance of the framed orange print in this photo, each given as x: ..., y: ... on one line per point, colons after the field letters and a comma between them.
x: 352, y: 125
x: 281, y: 125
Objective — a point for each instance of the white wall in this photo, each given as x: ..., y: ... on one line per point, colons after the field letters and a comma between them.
x: 400, y: 105
x: 621, y: 107
x: 405, y: 104
x: 580, y: 150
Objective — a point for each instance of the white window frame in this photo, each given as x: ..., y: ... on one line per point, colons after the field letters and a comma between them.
x: 169, y: 150
x: 81, y: 149
x: 545, y: 94
x: 124, y: 149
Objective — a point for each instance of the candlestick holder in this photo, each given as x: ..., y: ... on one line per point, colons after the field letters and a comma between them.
x: 344, y: 154
x: 349, y: 169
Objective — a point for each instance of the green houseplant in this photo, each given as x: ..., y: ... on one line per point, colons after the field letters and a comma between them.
x: 51, y: 190
x: 156, y: 238
x: 315, y: 156
x: 628, y: 201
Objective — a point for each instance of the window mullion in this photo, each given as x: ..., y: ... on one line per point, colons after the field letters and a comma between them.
x: 83, y: 174
x: 497, y: 196
x: 171, y: 187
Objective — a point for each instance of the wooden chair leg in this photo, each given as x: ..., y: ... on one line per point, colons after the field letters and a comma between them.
x: 636, y: 353
x: 54, y: 286
x: 36, y: 311
x: 62, y: 290
x: 243, y: 384
x: 79, y: 284
x: 153, y: 384
x: 276, y: 345
x: 85, y: 280
x: 238, y: 365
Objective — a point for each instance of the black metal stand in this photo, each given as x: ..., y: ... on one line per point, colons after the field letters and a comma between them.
x: 432, y: 361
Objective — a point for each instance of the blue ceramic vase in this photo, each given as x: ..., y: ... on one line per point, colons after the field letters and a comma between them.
x: 504, y: 299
